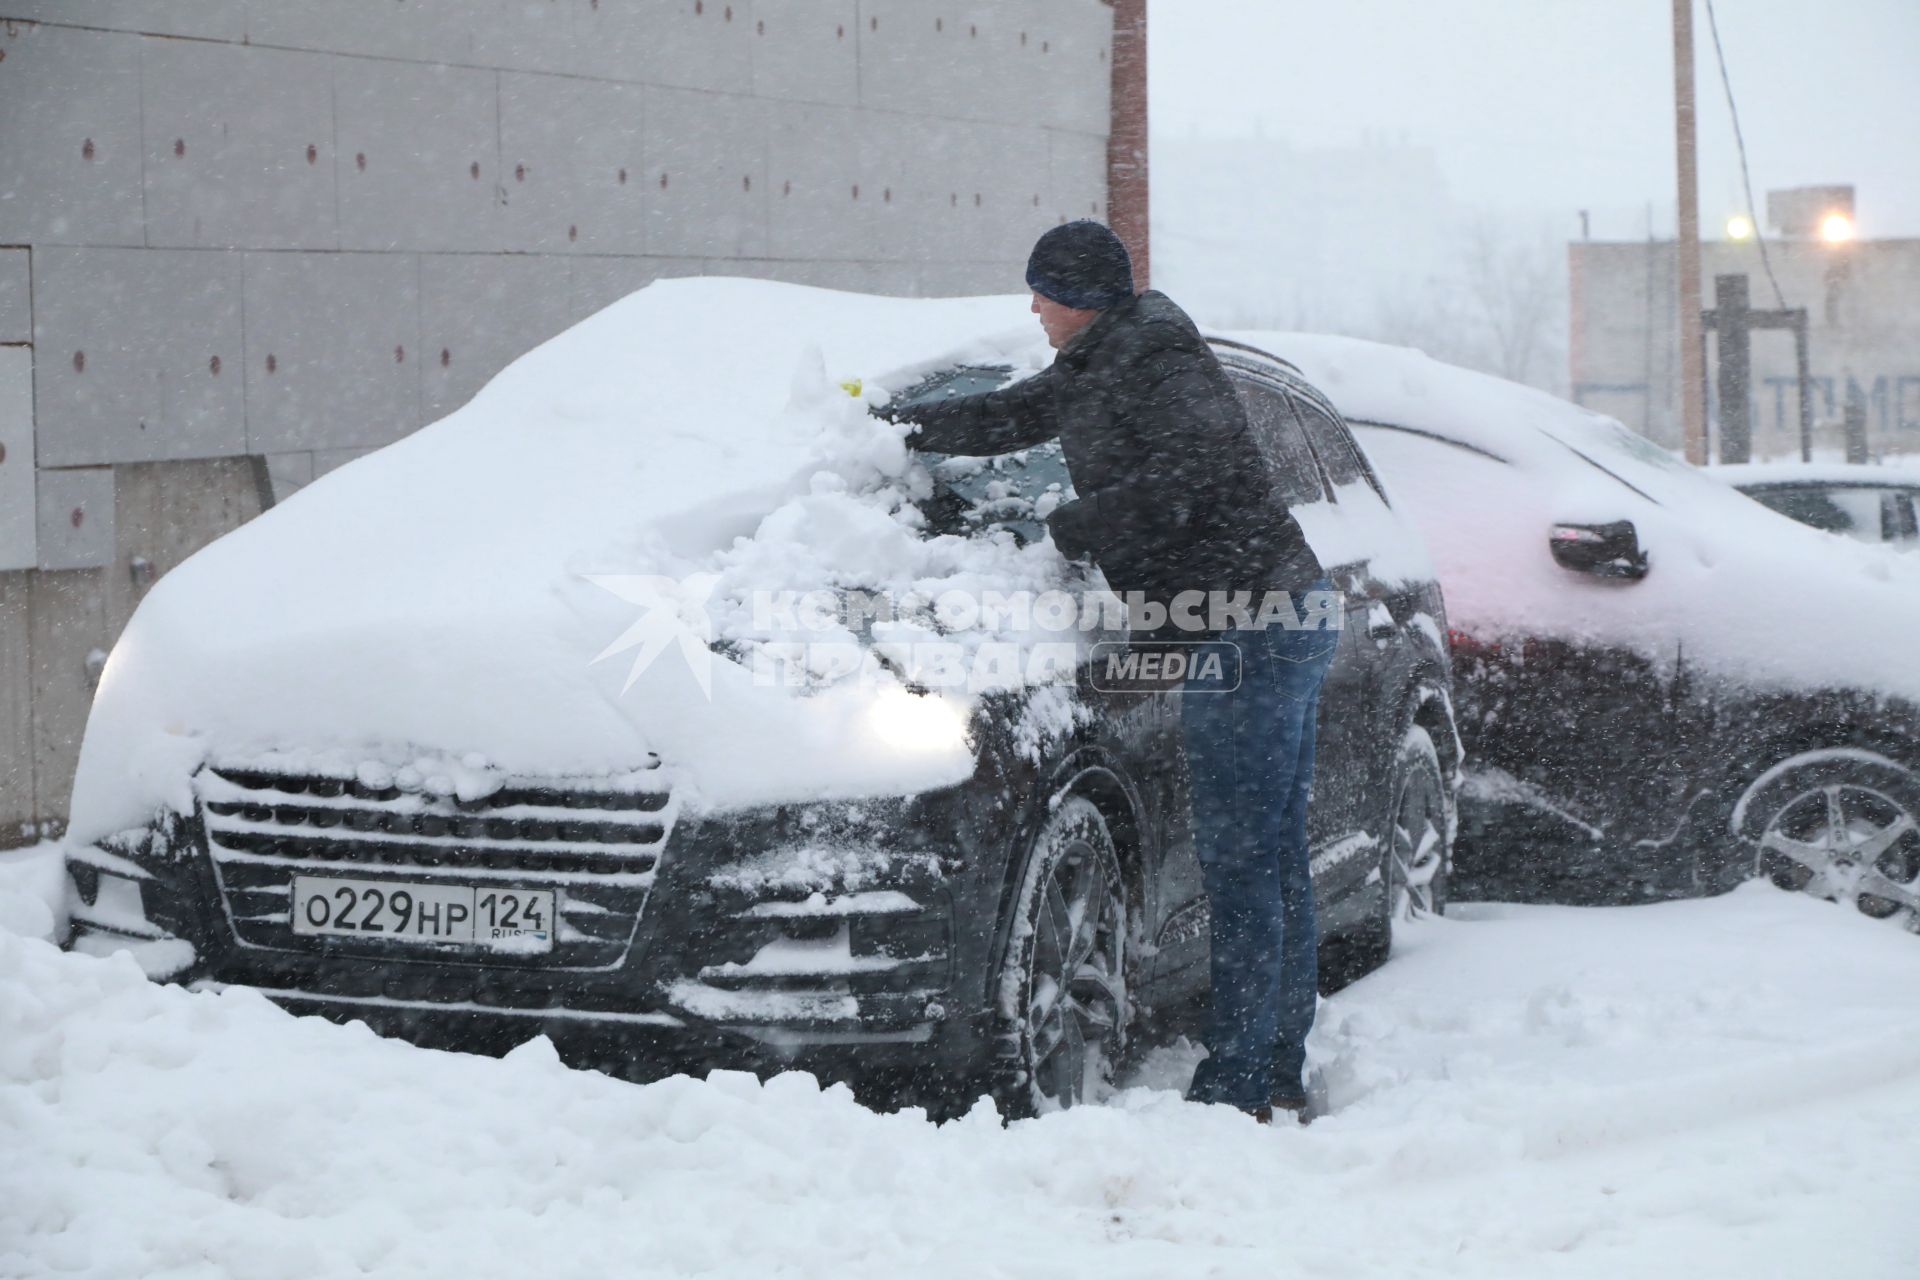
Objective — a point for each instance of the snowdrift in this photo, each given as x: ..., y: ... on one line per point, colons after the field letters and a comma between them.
x: 1675, y: 1090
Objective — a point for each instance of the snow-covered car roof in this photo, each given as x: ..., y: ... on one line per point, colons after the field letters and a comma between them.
x: 1487, y: 467
x: 1761, y: 475
x: 443, y: 601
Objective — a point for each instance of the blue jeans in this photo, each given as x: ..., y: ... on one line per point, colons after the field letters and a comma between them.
x: 1250, y: 752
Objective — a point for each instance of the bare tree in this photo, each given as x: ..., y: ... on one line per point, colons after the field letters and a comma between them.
x: 1517, y: 286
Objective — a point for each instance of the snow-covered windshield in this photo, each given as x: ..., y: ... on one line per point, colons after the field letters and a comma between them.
x: 1013, y: 491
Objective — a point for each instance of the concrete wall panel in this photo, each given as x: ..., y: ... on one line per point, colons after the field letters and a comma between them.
x: 690, y: 44
x: 17, y: 812
x: 895, y: 157
x: 138, y: 355
x: 969, y: 279
x: 1081, y: 35
x: 897, y: 278
x: 809, y: 52
x: 18, y: 531
x: 76, y: 518
x: 572, y: 164
x: 972, y: 169
x: 1018, y: 57
x: 287, y: 473
x: 907, y: 63
x: 333, y: 342
x: 598, y: 283
x: 1035, y: 63
x: 167, y: 277
x: 205, y: 19
x: 1077, y: 176
x: 326, y: 460
x: 707, y: 174
x: 71, y: 173
x: 418, y: 159
x: 16, y: 305
x: 479, y: 314
x: 423, y: 32
x: 239, y: 146
x: 166, y: 511
x: 823, y: 204
x: 524, y: 35
x: 67, y: 620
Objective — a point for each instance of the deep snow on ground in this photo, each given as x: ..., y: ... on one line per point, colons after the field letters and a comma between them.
x: 1719, y: 1088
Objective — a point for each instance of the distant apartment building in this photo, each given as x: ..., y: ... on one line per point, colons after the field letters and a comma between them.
x: 1862, y: 299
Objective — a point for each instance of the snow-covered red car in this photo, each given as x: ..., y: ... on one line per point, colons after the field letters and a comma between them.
x: 621, y: 705
x: 1663, y: 687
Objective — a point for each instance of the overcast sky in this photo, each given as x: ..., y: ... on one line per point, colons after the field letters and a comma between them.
x: 1550, y: 106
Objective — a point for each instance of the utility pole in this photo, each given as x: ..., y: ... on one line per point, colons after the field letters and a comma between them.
x: 1693, y: 413
x: 1127, y: 187
x: 1733, y: 319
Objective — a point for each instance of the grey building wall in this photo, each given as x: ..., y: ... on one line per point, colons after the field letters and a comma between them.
x: 245, y: 241
x: 1863, y: 332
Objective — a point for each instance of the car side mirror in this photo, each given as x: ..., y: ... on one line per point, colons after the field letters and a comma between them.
x: 1603, y: 550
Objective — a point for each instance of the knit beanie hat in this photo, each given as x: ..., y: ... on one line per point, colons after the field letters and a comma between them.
x: 1081, y: 264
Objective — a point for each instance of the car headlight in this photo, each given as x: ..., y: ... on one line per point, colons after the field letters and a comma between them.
x: 918, y: 722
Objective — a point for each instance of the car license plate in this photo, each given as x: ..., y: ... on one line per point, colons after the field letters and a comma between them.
x: 509, y: 919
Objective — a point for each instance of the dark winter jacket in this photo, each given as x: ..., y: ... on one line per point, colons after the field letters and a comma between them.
x: 1173, y: 494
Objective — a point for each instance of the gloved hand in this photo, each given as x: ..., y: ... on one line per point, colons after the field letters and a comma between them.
x: 1076, y: 529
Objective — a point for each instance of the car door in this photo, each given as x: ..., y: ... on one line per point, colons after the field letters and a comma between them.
x: 1367, y: 543
x: 1298, y: 479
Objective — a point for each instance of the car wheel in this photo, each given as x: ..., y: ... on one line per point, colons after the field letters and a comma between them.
x: 1062, y: 996
x: 1413, y: 863
x: 1842, y: 824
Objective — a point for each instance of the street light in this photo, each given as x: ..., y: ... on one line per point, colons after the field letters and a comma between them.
x: 1739, y: 227
x: 1836, y: 228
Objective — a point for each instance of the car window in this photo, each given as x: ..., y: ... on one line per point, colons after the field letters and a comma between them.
x: 1905, y: 516
x: 1336, y: 449
x: 1277, y: 433
x: 1853, y: 512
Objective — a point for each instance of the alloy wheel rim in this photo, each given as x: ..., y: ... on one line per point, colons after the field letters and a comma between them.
x: 1418, y: 850
x: 1847, y: 843
x: 1074, y: 1005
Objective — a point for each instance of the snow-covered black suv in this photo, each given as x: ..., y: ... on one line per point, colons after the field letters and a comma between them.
x: 402, y: 751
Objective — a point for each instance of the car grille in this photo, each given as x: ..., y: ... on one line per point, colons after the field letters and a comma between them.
x: 595, y: 841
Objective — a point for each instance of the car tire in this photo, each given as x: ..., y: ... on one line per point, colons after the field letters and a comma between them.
x: 1061, y: 999
x: 1840, y: 823
x: 1417, y: 851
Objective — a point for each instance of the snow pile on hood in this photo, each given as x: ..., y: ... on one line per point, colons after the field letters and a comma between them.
x: 1744, y: 593
x: 617, y: 493
x: 1523, y: 1092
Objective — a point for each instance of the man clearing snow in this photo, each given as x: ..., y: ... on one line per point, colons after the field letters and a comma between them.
x: 1173, y: 498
